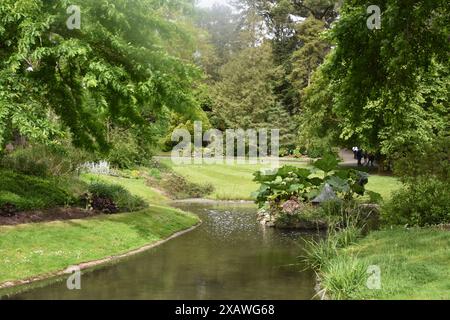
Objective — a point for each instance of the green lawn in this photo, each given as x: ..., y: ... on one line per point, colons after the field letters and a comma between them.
x: 234, y: 182
x: 230, y: 182
x: 384, y: 185
x: 414, y: 263
x: 34, y: 249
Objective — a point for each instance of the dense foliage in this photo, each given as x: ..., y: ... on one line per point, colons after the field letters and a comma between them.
x: 384, y: 89
x: 290, y: 182
x: 422, y: 203
x: 111, y: 198
x: 23, y: 192
x: 119, y: 69
x: 43, y: 161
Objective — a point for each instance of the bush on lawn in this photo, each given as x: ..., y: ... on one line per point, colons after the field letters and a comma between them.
x: 180, y: 188
x: 29, y: 192
x: 111, y: 198
x: 422, y: 201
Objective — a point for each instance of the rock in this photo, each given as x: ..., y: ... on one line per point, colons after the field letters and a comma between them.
x: 291, y: 207
x: 327, y: 194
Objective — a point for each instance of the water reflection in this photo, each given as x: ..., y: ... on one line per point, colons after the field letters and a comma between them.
x: 230, y: 256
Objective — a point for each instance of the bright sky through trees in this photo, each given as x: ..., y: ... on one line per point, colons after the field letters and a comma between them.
x: 210, y: 3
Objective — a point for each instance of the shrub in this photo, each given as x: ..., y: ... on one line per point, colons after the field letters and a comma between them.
x: 155, y: 173
x: 43, y: 161
x: 111, y: 198
x: 128, y: 149
x: 344, y: 276
x: 422, y: 201
x: 180, y: 188
x: 29, y: 192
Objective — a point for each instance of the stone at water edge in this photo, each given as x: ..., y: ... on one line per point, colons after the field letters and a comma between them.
x: 291, y: 207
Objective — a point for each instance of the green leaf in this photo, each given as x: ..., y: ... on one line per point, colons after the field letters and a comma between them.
x: 295, y: 187
x: 327, y: 163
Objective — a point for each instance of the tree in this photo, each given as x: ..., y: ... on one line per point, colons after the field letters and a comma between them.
x: 221, y: 26
x: 288, y: 31
x: 388, y: 89
x: 118, y: 68
x: 309, y: 56
x: 245, y: 97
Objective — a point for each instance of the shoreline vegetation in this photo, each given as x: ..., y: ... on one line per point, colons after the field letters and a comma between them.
x: 412, y: 263
x: 38, y: 250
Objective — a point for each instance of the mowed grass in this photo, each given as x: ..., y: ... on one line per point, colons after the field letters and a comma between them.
x: 41, y: 248
x: 414, y: 263
x: 231, y: 182
x: 235, y: 182
x: 384, y: 185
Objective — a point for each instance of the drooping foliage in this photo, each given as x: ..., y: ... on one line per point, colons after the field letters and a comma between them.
x: 385, y: 89
x: 119, y: 68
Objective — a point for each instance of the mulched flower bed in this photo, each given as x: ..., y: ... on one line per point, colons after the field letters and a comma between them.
x: 47, y: 215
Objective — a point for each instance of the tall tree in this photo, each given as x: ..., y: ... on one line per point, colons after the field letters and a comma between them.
x: 284, y: 20
x: 116, y: 65
x: 388, y: 88
x: 308, y: 57
x: 221, y: 26
x: 245, y: 97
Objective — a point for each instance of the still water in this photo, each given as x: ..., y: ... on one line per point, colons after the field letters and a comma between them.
x: 230, y: 256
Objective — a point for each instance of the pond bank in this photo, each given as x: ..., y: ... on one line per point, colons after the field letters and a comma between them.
x: 95, y: 263
x: 412, y: 264
x: 229, y: 256
x: 40, y: 250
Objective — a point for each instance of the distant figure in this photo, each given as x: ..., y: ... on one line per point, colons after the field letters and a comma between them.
x: 371, y: 159
x: 359, y: 156
x: 365, y: 156
x: 355, y: 150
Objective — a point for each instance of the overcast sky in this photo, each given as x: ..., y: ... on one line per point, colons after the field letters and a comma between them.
x: 209, y: 3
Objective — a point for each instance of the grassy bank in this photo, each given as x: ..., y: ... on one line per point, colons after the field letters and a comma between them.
x: 35, y: 249
x: 30, y: 250
x: 414, y: 264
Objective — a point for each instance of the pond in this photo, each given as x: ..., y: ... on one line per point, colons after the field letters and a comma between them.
x: 230, y: 256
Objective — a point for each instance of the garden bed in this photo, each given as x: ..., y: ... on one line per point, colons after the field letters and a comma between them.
x: 46, y: 215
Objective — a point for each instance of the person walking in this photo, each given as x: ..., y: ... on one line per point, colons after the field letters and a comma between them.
x: 355, y: 150
x: 371, y: 159
x: 359, y: 156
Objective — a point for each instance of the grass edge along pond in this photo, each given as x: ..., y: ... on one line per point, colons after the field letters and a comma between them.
x: 36, y: 249
x: 413, y: 264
